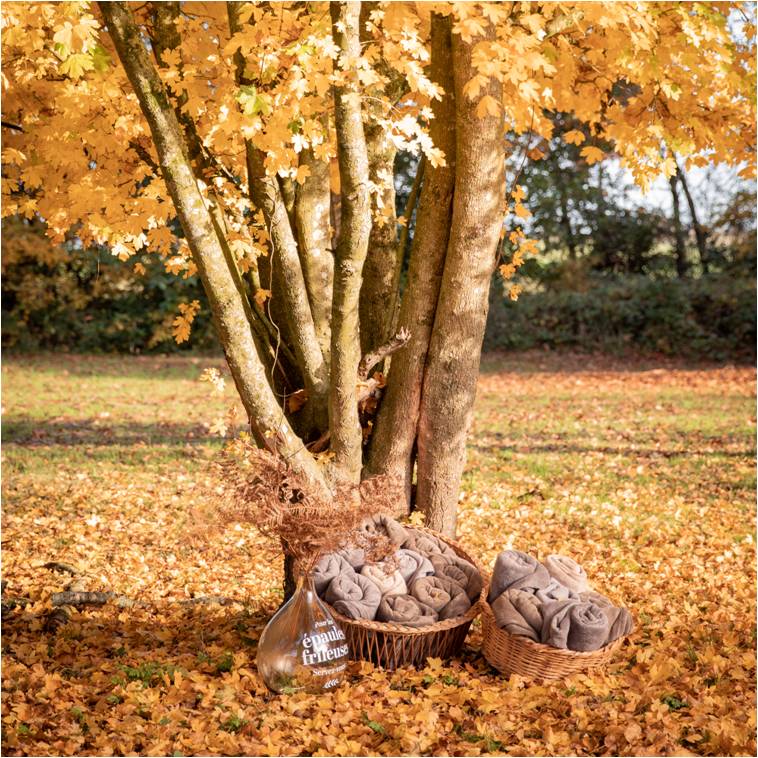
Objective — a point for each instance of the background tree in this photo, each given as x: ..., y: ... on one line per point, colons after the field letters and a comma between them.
x: 269, y: 132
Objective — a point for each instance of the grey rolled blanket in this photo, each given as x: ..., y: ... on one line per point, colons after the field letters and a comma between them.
x: 574, y: 625
x: 405, y: 610
x: 519, y: 612
x: 327, y: 568
x: 620, y: 621
x: 517, y: 570
x: 412, y: 565
x: 384, y: 526
x: 567, y: 572
x: 386, y: 577
x: 355, y: 556
x: 554, y: 591
x: 426, y: 544
x: 353, y: 596
x: 459, y: 570
x: 443, y: 595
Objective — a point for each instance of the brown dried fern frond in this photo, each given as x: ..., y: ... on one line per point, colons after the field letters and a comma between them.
x: 261, y: 489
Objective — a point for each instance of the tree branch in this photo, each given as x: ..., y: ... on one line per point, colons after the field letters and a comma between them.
x: 375, y: 356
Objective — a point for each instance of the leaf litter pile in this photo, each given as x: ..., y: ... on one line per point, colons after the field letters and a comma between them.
x: 643, y: 472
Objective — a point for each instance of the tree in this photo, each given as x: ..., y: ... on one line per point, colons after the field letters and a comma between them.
x: 270, y: 130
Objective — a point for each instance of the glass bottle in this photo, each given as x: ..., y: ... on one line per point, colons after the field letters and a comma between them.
x: 302, y: 647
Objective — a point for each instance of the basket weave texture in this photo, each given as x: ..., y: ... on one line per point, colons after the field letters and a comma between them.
x: 392, y: 645
x: 513, y: 654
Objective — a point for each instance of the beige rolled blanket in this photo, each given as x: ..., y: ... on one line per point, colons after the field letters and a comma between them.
x: 386, y: 577
x: 384, y: 526
x: 574, y: 625
x: 327, y: 567
x: 519, y: 612
x: 567, y: 572
x: 462, y: 571
x: 412, y: 565
x: 426, y: 544
x: 353, y: 596
x: 554, y: 591
x: 405, y: 610
x: 516, y: 570
x: 620, y: 620
x: 355, y: 556
x: 443, y: 595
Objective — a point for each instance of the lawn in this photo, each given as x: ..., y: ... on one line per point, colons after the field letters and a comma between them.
x: 644, y: 471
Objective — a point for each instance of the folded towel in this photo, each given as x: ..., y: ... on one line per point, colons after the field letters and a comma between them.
x: 424, y: 543
x: 519, y: 612
x: 568, y: 572
x: 353, y: 596
x: 443, y: 595
x: 462, y: 571
x: 355, y: 556
x: 574, y: 624
x: 386, y: 577
x: 554, y: 591
x: 517, y: 570
x: 326, y: 569
x: 384, y: 526
x: 405, y: 610
x: 620, y: 620
x: 412, y: 565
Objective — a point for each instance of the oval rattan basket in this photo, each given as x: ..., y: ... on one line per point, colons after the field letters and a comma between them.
x: 513, y: 654
x: 392, y: 645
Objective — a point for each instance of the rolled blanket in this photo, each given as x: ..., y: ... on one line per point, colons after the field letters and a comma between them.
x: 353, y: 596
x: 620, y: 620
x: 574, y: 624
x: 426, y: 544
x: 326, y: 569
x: 519, y: 612
x: 384, y: 526
x: 567, y: 572
x: 554, y: 591
x: 405, y: 610
x: 355, y: 556
x: 412, y: 565
x: 443, y: 595
x: 471, y: 580
x: 388, y: 580
x: 516, y: 570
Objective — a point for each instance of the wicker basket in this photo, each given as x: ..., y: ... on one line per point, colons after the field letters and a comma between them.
x: 392, y: 645
x: 513, y: 654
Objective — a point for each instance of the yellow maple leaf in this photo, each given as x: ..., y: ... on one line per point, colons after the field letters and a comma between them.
x: 574, y: 137
x: 592, y: 154
x: 487, y: 106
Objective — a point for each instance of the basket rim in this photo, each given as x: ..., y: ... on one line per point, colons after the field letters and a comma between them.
x: 490, y: 628
x: 438, y: 626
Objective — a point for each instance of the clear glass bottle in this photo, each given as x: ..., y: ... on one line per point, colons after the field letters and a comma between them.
x: 302, y: 648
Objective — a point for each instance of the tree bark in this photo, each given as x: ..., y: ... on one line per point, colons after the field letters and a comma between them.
x: 455, y: 349
x: 679, y: 248
x: 312, y: 201
x: 266, y: 417
x: 355, y: 226
x: 700, y: 235
x: 394, y: 433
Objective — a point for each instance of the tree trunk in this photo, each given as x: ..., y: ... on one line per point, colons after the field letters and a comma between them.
x: 355, y: 226
x: 394, y: 433
x: 455, y: 349
x: 266, y: 416
x: 700, y: 235
x: 679, y: 248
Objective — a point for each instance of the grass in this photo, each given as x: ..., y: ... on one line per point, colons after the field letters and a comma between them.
x: 644, y: 471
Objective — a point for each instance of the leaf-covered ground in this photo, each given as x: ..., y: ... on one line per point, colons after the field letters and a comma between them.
x: 643, y: 472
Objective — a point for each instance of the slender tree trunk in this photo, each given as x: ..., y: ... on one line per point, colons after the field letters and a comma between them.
x: 266, y: 416
x: 679, y: 248
x: 394, y: 435
x: 453, y: 360
x: 355, y: 226
x: 700, y: 235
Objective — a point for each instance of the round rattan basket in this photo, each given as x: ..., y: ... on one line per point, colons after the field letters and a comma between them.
x: 513, y: 654
x: 392, y: 645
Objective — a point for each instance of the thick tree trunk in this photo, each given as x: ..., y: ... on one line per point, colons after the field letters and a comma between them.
x: 266, y: 417
x: 679, y: 248
x: 394, y: 434
x: 700, y: 235
x: 453, y: 360
x: 355, y: 226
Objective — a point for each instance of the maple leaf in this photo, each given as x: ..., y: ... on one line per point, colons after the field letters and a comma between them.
x: 592, y: 154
